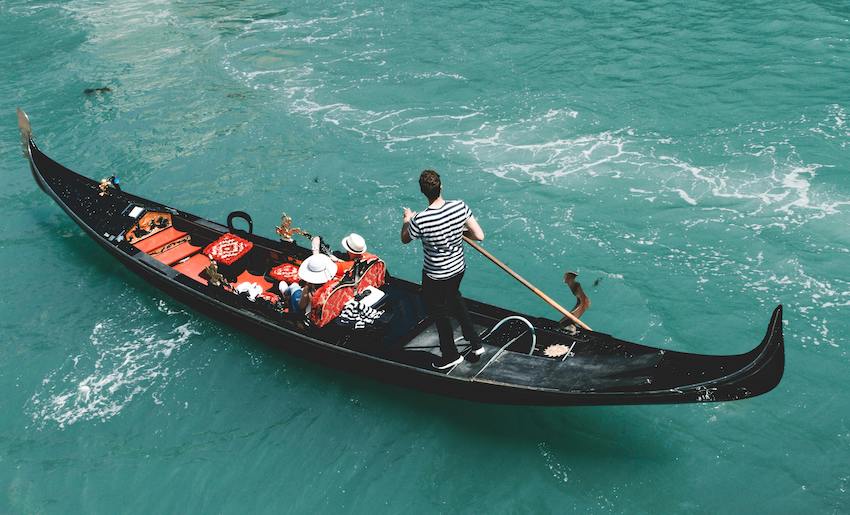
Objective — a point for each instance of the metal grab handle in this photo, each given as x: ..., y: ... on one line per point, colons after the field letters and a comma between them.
x: 521, y: 319
x: 243, y: 215
x: 510, y: 342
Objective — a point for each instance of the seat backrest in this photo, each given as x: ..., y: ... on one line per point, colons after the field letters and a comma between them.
x: 365, y: 273
x: 329, y: 300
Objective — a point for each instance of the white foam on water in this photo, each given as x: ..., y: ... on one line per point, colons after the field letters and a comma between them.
x: 438, y: 75
x: 122, y: 18
x: 559, y: 472
x: 819, y: 300
x: 834, y: 126
x: 128, y: 354
x: 504, y: 150
x: 684, y: 196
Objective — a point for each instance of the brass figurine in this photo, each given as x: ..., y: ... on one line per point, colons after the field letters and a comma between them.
x: 104, y: 186
x: 285, y: 229
x: 214, y: 277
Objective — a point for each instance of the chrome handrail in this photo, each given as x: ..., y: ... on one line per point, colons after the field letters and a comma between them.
x: 510, y: 342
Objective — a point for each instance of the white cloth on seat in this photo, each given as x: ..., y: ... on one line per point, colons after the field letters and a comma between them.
x: 252, y: 289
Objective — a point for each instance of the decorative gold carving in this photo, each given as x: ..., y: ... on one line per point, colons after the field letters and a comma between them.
x: 285, y: 229
x: 170, y: 245
x: 148, y: 224
x: 214, y: 276
x: 104, y: 187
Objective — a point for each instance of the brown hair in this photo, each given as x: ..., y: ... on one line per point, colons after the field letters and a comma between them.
x: 429, y: 184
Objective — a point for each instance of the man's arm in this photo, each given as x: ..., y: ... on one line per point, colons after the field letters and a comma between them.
x: 306, y: 297
x: 316, y: 247
x: 473, y: 230
x: 405, y: 226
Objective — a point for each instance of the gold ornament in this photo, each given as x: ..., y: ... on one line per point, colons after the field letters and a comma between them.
x: 285, y: 229
x: 214, y: 276
x: 104, y: 186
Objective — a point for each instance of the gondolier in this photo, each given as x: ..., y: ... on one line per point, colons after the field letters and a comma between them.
x: 441, y: 228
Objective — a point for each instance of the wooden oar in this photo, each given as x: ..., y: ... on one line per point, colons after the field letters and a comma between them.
x: 527, y: 284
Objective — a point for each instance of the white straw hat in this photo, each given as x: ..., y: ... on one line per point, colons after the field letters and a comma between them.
x: 354, y: 243
x: 317, y: 269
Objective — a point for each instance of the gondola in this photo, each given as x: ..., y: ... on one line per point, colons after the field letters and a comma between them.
x: 528, y: 360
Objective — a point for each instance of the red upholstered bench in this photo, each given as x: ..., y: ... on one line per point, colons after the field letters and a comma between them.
x: 175, y: 254
x: 157, y: 240
x: 193, y: 267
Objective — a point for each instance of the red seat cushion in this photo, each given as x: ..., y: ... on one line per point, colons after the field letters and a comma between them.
x: 228, y: 248
x: 247, y: 277
x: 193, y: 267
x: 157, y: 240
x: 285, y: 272
x: 173, y: 255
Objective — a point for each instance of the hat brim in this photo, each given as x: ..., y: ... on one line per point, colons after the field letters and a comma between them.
x: 320, y: 277
x: 349, y: 249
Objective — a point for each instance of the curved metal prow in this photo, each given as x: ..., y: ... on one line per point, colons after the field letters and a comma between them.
x: 26, y: 132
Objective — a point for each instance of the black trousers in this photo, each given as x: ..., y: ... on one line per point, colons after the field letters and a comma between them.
x: 442, y: 299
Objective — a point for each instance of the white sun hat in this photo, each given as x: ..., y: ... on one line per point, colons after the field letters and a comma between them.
x: 354, y: 243
x: 317, y: 269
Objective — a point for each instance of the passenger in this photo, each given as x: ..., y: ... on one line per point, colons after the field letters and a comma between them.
x: 441, y: 227
x: 314, y: 272
x: 355, y: 248
x: 290, y: 295
x: 355, y: 245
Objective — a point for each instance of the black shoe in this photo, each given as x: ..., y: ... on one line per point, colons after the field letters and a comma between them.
x: 444, y: 363
x: 477, y: 349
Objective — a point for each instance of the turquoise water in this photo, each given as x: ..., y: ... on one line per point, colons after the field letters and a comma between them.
x: 689, y: 160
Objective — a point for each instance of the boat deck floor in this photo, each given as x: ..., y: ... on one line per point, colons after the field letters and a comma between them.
x: 425, y: 347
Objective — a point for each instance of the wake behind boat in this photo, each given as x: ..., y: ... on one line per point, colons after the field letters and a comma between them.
x: 528, y: 360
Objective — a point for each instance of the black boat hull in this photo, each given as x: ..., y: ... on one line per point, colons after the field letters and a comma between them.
x: 603, y: 370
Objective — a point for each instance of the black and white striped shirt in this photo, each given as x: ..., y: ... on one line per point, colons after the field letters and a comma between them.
x: 441, y: 231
